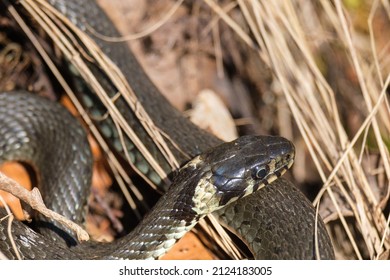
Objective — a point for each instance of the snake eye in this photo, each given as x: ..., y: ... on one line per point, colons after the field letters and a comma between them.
x: 260, y: 172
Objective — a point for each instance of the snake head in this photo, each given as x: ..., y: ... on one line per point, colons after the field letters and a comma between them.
x: 240, y: 167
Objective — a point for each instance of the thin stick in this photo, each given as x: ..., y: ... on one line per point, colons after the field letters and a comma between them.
x: 34, y: 199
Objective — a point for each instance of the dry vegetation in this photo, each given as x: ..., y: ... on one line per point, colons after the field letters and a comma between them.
x: 316, y: 72
x: 352, y: 159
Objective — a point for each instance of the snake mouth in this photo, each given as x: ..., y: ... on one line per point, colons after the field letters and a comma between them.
x: 282, y: 169
x: 276, y: 174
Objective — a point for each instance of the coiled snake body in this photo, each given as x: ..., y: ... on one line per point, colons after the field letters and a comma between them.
x: 277, y: 222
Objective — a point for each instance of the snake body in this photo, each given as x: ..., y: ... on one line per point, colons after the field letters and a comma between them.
x: 265, y: 233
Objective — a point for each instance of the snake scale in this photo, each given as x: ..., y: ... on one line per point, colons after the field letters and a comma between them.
x: 276, y: 221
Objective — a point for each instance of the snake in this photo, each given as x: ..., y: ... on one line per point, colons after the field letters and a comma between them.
x: 239, y: 181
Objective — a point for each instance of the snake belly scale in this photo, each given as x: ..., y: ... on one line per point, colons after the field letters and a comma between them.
x: 228, y: 172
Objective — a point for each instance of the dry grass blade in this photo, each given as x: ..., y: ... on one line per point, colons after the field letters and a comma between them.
x: 146, y: 31
x: 220, y: 236
x: 222, y: 13
x: 11, y: 238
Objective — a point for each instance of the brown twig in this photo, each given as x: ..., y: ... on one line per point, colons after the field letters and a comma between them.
x: 34, y: 199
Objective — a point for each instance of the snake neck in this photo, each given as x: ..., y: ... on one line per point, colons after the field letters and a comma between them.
x: 163, y: 225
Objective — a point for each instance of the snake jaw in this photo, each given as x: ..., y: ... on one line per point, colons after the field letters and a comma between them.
x: 205, y: 197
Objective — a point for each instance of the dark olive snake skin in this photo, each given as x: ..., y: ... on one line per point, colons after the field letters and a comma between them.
x: 277, y: 222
